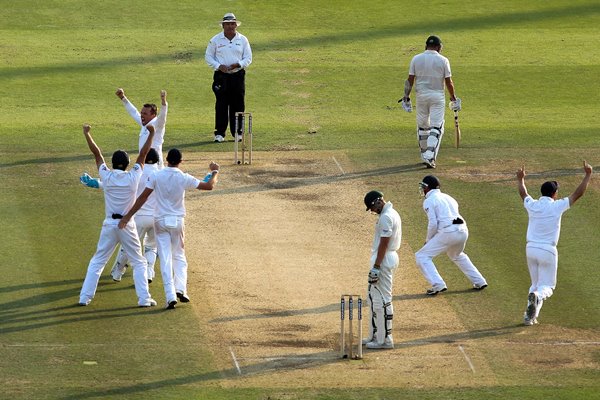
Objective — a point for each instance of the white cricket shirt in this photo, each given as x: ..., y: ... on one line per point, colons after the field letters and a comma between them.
x: 169, y: 185
x: 150, y: 204
x: 544, y: 219
x: 388, y: 225
x: 222, y: 51
x: 441, y: 210
x: 430, y: 69
x: 119, y: 189
x: 159, y: 122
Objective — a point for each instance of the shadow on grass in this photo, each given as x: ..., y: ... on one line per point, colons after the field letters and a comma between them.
x: 286, y: 361
x: 471, y: 23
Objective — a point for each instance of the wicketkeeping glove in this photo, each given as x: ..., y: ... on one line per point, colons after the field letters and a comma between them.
x: 455, y: 105
x: 374, y: 275
x: 406, y: 104
x: 88, y: 181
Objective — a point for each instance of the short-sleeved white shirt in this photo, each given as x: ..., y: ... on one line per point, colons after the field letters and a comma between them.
x: 119, y: 189
x: 150, y: 205
x: 169, y: 185
x: 388, y: 225
x: 430, y: 69
x: 441, y: 210
x: 544, y: 219
x: 222, y: 51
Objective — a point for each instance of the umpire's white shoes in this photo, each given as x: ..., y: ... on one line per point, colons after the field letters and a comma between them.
x: 388, y: 343
x: 147, y: 303
x: 433, y: 291
x: 219, y: 139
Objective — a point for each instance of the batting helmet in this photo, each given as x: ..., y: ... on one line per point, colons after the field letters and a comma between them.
x: 371, y: 197
x: 431, y: 182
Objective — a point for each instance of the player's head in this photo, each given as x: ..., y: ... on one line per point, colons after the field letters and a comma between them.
x: 428, y: 183
x: 152, y: 156
x: 120, y: 160
x: 549, y: 188
x: 174, y: 157
x: 374, y: 201
x: 148, y: 112
x: 433, y: 43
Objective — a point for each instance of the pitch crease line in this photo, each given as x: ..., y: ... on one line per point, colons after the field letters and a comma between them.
x: 462, y: 350
x: 235, y: 361
x: 338, y: 165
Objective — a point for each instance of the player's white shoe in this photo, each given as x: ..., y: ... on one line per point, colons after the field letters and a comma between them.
x: 147, y: 303
x: 387, y: 344
x: 366, y: 340
x: 182, y: 297
x: 84, y: 301
x: 433, y: 291
x: 118, y: 271
x: 532, y: 301
x: 219, y: 139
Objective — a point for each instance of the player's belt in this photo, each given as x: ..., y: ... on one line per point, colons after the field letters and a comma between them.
x: 117, y: 216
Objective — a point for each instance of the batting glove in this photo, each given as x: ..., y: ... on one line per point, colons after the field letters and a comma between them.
x: 455, y: 105
x: 88, y: 181
x: 374, y: 275
x: 406, y: 104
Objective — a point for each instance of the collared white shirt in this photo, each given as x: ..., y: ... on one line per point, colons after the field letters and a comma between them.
x: 119, y: 189
x: 388, y: 225
x: 222, y: 51
x: 441, y: 210
x: 169, y: 185
x: 544, y: 219
x: 150, y: 205
x: 159, y: 122
x: 430, y: 69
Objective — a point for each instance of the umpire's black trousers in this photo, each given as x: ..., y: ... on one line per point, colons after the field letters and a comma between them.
x: 229, y: 90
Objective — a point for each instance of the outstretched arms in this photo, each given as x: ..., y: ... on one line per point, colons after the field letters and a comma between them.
x: 92, y: 145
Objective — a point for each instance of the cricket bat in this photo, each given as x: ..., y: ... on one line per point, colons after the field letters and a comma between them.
x: 456, y: 130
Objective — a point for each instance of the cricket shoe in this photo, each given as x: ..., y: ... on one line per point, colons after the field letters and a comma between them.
x: 182, y: 297
x: 532, y: 301
x: 219, y: 139
x: 388, y: 343
x: 480, y: 287
x: 84, y: 301
x: 529, y: 322
x: 429, y: 164
x: 239, y: 138
x: 171, y: 305
x: 147, y: 303
x: 118, y: 271
x: 433, y: 291
x: 367, y: 340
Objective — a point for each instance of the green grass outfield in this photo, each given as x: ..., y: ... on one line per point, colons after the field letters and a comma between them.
x: 325, y: 76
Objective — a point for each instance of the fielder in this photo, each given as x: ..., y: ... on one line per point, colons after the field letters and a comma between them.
x: 384, y: 261
x: 119, y: 194
x: 170, y: 184
x: 431, y: 71
x: 543, y: 232
x: 446, y: 233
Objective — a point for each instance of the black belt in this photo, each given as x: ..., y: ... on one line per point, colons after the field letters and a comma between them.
x: 117, y: 216
x: 456, y: 221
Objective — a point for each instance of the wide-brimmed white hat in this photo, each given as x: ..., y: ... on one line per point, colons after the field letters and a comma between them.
x: 230, y: 17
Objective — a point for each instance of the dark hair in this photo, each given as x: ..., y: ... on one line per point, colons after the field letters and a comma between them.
x: 549, y: 188
x: 174, y: 156
x: 152, y: 107
x: 152, y: 156
x: 120, y: 160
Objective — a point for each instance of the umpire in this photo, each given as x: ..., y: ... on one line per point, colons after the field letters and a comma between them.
x: 228, y: 53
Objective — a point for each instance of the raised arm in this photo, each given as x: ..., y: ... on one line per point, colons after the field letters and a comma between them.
x: 576, y: 195
x: 161, y: 120
x: 130, y: 108
x: 141, y: 158
x: 521, y: 183
x: 93, y: 146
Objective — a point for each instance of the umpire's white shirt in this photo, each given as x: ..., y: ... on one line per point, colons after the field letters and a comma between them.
x: 544, y: 220
x: 169, y: 185
x: 430, y: 69
x: 119, y: 190
x: 388, y: 225
x: 222, y: 51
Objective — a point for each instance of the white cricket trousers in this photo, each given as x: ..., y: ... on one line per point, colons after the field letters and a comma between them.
x: 171, y: 252
x: 453, y: 244
x: 110, y: 236
x: 380, y: 298
x: 145, y: 230
x: 543, y: 265
x: 431, y: 110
